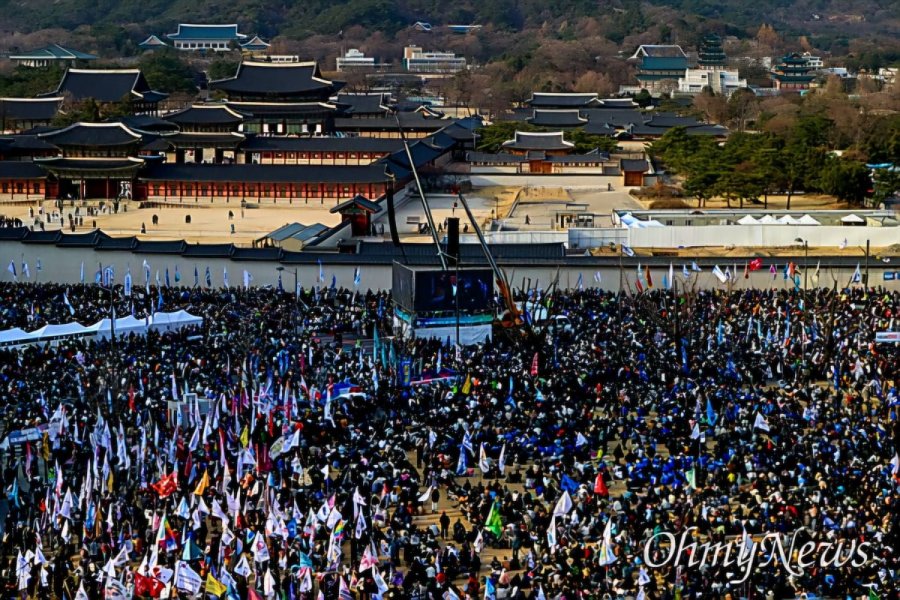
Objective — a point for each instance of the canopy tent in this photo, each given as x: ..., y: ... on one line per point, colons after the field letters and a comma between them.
x: 159, y: 321
x: 630, y: 221
x: 748, y: 220
x: 124, y: 326
x: 62, y: 330
x: 788, y: 220
x: 852, y: 219
x: 162, y: 321
x: 14, y: 336
x: 768, y: 220
x: 807, y: 220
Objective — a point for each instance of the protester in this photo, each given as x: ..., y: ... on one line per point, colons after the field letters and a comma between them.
x: 280, y: 452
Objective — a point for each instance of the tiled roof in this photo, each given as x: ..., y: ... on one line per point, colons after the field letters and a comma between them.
x: 159, y: 247
x: 206, y: 114
x: 188, y: 31
x: 106, y: 85
x: 53, y: 52
x: 276, y: 79
x: 208, y: 250
x: 93, y: 134
x: 29, y: 109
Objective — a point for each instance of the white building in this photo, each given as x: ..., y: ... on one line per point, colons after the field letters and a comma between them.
x: 206, y: 37
x: 418, y: 61
x: 814, y: 62
x: 720, y: 81
x: 354, y: 59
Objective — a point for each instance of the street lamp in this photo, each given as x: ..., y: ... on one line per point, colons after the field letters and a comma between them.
x: 805, y: 261
x: 805, y: 299
x: 280, y: 270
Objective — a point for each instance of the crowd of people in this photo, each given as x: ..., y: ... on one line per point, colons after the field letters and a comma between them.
x: 293, y: 447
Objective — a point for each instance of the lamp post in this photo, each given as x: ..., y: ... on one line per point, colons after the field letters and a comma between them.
x: 805, y: 262
x: 805, y: 299
x: 280, y: 270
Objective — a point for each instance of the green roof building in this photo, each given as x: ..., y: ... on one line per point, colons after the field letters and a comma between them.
x: 793, y: 73
x: 54, y: 54
x: 658, y: 64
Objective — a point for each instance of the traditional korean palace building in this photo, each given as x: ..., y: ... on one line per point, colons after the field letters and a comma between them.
x: 793, y: 73
x: 659, y: 66
x: 612, y: 117
x: 54, y: 54
x: 198, y: 153
x: 109, y: 86
x: 20, y: 114
x: 218, y: 38
x: 280, y: 98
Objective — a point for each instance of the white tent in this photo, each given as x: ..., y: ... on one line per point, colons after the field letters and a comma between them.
x: 768, y: 220
x: 788, y: 220
x: 124, y: 326
x: 159, y: 321
x: 162, y: 321
x: 14, y: 336
x: 61, y: 330
x: 807, y: 220
x: 748, y: 220
x: 852, y: 219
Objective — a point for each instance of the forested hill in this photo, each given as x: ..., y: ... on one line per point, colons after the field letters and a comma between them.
x: 296, y: 18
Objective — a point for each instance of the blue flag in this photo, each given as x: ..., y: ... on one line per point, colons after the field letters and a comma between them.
x: 196, y: 277
x: 568, y: 484
x: 710, y: 413
x: 168, y: 284
x: 208, y: 278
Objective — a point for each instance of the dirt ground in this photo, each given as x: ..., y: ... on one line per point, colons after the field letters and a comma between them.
x: 799, y: 203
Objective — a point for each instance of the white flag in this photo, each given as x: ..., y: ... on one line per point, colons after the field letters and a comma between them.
x: 247, y: 278
x: 563, y: 505
x: 483, y: 461
x: 81, y: 594
x: 761, y: 423
x: 186, y: 579
x: 722, y: 277
x: 607, y: 556
x: 243, y: 567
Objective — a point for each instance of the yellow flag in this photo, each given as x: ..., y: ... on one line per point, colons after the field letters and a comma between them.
x: 214, y: 586
x: 467, y: 386
x: 204, y: 483
x: 245, y: 437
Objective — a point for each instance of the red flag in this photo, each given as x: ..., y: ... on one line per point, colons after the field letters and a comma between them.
x: 756, y: 264
x: 166, y: 486
x: 534, y: 365
x: 648, y: 277
x: 600, y: 486
x: 147, y: 586
x: 131, y: 397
